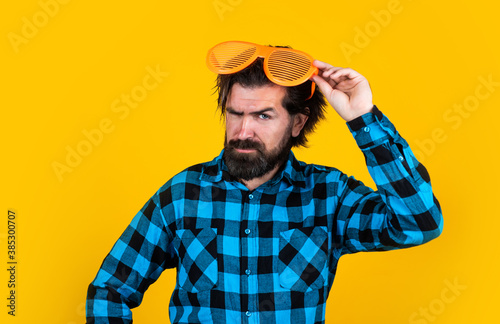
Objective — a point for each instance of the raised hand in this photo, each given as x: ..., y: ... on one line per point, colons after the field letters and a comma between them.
x: 347, y: 91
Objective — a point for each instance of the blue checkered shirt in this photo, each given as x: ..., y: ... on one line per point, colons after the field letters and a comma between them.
x: 267, y: 255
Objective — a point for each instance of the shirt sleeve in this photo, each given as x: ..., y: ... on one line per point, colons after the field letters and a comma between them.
x: 403, y: 212
x: 136, y: 260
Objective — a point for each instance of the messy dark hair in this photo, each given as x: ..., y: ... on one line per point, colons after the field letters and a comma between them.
x: 295, y: 100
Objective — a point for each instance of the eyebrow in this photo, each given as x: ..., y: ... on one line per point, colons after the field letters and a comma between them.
x: 239, y: 113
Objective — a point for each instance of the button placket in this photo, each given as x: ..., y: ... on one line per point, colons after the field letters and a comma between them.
x: 253, y: 250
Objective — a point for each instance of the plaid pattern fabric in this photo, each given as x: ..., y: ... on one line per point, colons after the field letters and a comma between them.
x: 303, y: 254
x: 198, y: 251
x: 269, y: 255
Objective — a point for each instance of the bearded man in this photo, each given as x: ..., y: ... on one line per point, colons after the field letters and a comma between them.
x: 255, y: 234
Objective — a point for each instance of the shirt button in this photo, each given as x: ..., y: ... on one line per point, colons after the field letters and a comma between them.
x: 250, y: 196
x: 247, y: 231
x: 401, y: 158
x: 247, y: 313
x: 248, y: 272
x: 366, y: 129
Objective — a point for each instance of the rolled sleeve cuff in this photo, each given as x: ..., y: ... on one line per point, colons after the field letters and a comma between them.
x: 371, y: 129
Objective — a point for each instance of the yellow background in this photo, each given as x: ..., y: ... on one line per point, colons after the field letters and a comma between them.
x: 61, y: 78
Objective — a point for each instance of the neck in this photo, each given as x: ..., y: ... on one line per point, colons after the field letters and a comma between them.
x: 256, y: 182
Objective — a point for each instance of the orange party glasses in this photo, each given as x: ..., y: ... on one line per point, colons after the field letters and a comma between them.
x: 283, y: 66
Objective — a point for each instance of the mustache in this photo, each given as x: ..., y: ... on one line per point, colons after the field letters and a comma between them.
x: 245, y: 144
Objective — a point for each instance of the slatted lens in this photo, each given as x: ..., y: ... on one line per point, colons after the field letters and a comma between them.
x: 289, y: 68
x: 231, y: 57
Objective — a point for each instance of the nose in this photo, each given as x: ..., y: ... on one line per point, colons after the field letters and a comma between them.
x: 246, y: 130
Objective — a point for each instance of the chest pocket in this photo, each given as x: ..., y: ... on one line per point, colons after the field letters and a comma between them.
x: 197, y: 250
x: 302, y: 258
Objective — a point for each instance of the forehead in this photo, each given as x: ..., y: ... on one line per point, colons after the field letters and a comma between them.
x: 268, y: 96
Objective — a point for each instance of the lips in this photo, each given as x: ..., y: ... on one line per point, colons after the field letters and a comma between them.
x: 245, y: 150
x: 245, y: 146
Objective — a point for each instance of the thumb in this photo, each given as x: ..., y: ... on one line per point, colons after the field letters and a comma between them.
x: 323, y: 85
x: 336, y: 98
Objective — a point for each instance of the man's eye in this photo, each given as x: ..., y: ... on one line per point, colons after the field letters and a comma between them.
x: 264, y: 116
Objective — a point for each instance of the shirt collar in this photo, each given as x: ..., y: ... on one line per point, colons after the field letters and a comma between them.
x: 216, y: 170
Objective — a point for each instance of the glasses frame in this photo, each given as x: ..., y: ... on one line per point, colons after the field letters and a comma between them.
x: 264, y: 52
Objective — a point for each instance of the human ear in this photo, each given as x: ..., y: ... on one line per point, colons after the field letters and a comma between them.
x: 299, y: 120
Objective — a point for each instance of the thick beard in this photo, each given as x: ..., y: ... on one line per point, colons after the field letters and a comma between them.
x: 247, y: 166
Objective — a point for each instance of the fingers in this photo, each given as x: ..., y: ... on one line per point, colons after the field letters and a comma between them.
x: 322, y: 84
x: 334, y: 74
x: 344, y: 73
x: 321, y: 65
x: 325, y: 69
x: 347, y: 91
